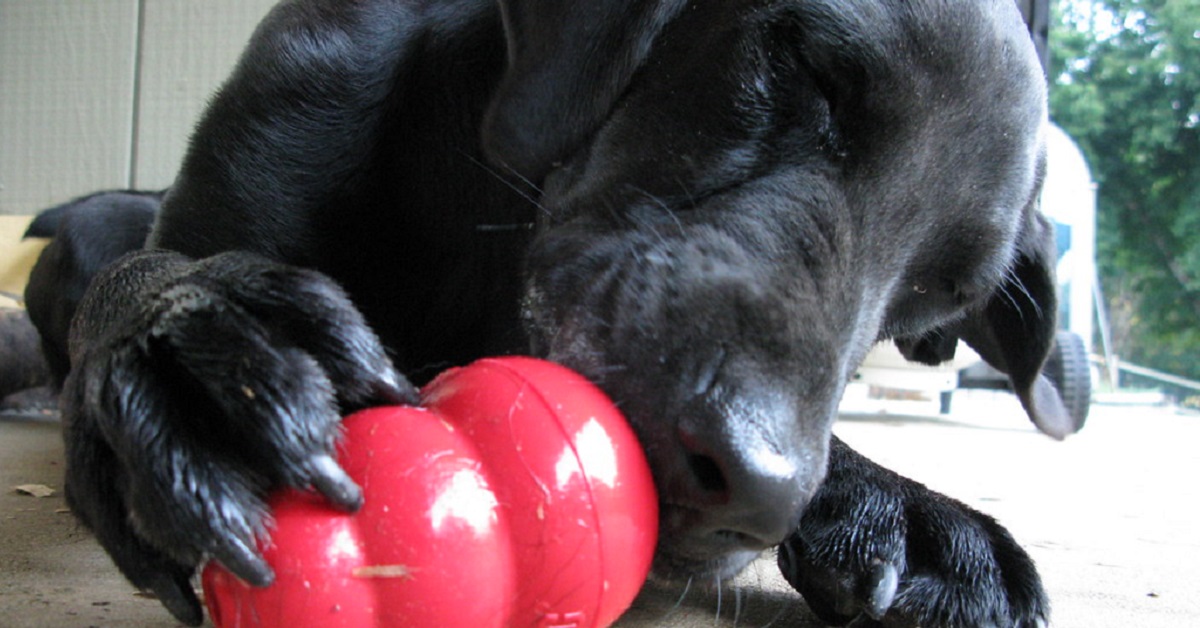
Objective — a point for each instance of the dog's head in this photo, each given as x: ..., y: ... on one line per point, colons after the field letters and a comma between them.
x: 739, y: 198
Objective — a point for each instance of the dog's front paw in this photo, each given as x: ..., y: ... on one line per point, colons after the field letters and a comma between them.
x: 874, y: 543
x: 220, y: 381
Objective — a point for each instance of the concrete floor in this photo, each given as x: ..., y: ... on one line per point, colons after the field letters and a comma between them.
x: 1109, y: 515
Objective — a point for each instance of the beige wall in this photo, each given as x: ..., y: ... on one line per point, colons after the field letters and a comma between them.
x: 101, y: 94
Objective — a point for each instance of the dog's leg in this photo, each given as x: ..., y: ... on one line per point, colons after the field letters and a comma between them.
x: 875, y: 543
x: 214, y: 368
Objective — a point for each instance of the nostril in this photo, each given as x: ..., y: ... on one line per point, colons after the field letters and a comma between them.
x: 744, y: 499
x: 708, y: 474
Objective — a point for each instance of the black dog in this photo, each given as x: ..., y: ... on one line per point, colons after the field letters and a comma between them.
x: 86, y: 235
x: 711, y: 208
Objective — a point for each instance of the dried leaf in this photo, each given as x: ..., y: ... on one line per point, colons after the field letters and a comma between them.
x: 34, y: 490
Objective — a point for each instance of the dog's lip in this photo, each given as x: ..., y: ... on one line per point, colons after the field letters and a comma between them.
x: 688, y: 550
x: 685, y: 522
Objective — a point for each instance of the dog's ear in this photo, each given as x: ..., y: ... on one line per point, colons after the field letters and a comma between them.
x: 568, y: 62
x: 1015, y: 330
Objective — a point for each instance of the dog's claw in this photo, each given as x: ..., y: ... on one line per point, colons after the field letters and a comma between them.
x: 179, y: 599
x: 244, y: 562
x: 333, y: 483
x: 882, y: 583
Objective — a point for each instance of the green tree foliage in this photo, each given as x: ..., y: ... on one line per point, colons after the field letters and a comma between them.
x: 1125, y: 83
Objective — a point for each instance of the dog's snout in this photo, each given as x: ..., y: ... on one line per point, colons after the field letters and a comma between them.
x: 750, y: 496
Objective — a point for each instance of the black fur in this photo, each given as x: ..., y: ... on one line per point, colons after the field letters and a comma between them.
x: 713, y: 209
x: 87, y: 234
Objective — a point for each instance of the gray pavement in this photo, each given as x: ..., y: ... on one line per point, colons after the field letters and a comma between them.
x: 1109, y: 516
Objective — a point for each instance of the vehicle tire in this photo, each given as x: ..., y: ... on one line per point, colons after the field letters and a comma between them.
x: 1068, y: 369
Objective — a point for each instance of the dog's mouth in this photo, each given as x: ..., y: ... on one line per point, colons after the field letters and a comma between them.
x: 689, y: 549
x: 721, y: 555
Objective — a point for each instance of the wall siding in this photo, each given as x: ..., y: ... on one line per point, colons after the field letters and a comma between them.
x: 98, y: 94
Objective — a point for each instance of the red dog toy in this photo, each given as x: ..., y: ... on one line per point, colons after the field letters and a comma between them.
x: 516, y: 496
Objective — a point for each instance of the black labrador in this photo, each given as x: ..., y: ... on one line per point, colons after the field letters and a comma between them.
x: 711, y: 208
x: 86, y: 235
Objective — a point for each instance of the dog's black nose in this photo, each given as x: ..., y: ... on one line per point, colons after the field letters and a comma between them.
x: 748, y: 490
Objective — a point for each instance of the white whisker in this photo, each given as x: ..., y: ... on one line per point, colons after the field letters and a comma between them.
x: 682, y: 596
x: 717, y: 582
x: 509, y: 184
x: 737, y: 604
